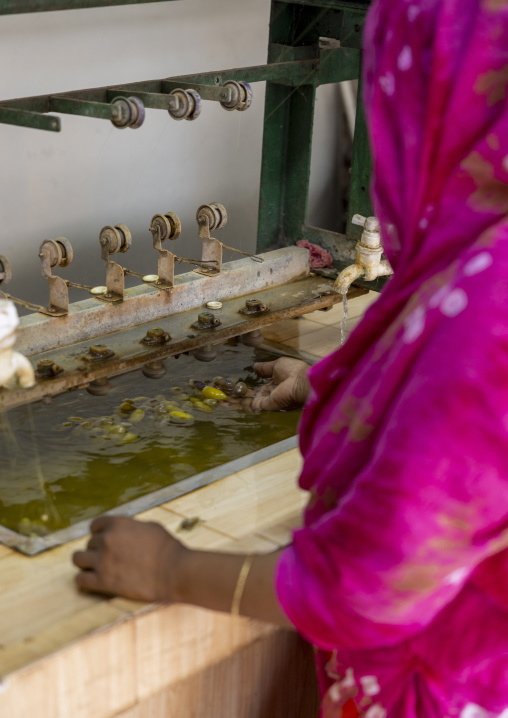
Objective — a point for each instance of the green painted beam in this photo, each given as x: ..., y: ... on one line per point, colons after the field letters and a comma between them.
x: 273, y: 167
x: 360, y: 6
x: 16, y: 7
x: 25, y: 118
x: 338, y: 64
x: 155, y: 100
x: 359, y: 188
x: 320, y: 67
x: 73, y: 106
x: 298, y: 157
x: 289, y: 73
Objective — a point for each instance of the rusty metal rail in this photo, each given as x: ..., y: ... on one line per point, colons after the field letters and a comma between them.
x: 79, y: 364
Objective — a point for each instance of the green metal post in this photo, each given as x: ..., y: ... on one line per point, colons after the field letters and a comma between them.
x: 359, y: 195
x: 287, y: 138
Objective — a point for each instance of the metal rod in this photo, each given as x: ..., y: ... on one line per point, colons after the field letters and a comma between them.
x: 216, y: 93
x: 86, y: 287
x: 23, y: 303
x: 254, y: 257
x: 72, y: 106
x: 132, y: 273
x: 28, y: 111
x: 164, y: 101
x: 290, y: 73
x: 196, y: 262
x: 12, y: 7
x: 154, y: 100
x: 26, y: 118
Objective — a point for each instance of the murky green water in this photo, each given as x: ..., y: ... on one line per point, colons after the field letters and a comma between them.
x: 68, y: 461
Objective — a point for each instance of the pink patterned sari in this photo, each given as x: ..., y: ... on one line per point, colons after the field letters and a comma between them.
x: 400, y: 575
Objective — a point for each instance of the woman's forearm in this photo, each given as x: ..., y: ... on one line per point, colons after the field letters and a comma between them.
x: 144, y: 562
x: 209, y: 579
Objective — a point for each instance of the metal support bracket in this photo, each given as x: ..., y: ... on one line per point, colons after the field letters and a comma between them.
x: 56, y: 253
x: 209, y: 217
x: 113, y: 240
x: 163, y: 227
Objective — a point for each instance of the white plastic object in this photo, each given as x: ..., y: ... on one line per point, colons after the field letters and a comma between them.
x: 12, y: 363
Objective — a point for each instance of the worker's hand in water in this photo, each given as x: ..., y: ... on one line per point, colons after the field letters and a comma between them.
x: 129, y: 558
x: 288, y: 388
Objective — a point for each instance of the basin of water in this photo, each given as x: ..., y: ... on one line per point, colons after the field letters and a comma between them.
x: 64, y: 463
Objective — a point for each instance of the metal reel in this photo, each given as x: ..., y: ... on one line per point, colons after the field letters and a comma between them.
x: 241, y: 96
x: 189, y: 105
x: 215, y: 213
x: 248, y: 95
x: 166, y: 226
x: 118, y: 238
x: 138, y: 112
x: 128, y: 112
x: 176, y: 225
x: 5, y: 270
x: 60, y: 251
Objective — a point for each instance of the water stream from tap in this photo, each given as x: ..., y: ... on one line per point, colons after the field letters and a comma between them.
x: 343, y: 323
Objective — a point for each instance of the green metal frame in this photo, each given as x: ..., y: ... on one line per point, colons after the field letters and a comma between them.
x: 16, y: 7
x: 296, y: 26
x: 298, y: 62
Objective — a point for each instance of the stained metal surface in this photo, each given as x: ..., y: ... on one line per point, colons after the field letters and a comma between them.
x: 126, y: 350
x: 145, y: 303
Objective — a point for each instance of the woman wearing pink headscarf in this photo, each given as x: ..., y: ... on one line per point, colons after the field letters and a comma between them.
x: 400, y: 574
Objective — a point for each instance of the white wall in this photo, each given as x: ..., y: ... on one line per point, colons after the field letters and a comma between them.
x: 90, y: 174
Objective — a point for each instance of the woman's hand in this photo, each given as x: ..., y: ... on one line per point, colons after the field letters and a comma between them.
x: 130, y: 558
x: 142, y: 561
x: 288, y: 389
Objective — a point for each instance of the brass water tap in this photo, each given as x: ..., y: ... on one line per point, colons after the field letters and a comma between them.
x: 368, y: 262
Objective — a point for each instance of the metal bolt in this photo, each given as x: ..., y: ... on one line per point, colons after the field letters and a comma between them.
x: 44, y: 366
x: 97, y: 350
x: 156, y: 336
x: 154, y: 369
x: 47, y: 368
x: 252, y: 339
x: 253, y: 307
x: 99, y: 387
x: 205, y: 318
x: 205, y: 353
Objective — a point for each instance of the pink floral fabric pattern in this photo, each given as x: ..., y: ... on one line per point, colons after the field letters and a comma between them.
x: 401, y: 569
